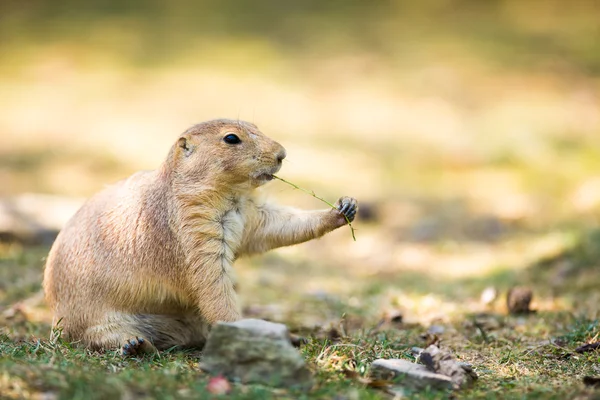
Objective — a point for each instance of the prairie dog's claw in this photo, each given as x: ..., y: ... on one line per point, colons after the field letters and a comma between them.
x: 136, y: 346
x: 348, y: 207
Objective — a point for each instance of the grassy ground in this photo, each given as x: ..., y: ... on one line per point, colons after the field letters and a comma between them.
x: 346, y: 327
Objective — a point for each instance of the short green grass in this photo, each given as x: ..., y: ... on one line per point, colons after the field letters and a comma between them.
x: 528, y: 356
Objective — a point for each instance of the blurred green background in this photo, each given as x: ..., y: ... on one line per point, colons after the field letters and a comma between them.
x: 468, y: 130
x: 381, y: 98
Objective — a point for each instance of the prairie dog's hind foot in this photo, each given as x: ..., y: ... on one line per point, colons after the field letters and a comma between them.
x: 137, y: 346
x: 136, y: 334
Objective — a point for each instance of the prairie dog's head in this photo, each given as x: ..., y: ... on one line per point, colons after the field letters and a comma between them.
x: 227, y: 152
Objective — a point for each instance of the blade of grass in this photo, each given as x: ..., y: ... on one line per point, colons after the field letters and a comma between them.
x: 318, y: 198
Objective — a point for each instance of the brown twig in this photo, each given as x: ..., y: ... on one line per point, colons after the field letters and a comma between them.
x: 318, y: 198
x: 588, y: 347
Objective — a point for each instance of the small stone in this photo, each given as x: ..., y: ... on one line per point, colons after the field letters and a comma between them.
x: 415, y: 351
x: 518, y: 300
x: 443, y: 362
x: 255, y: 351
x: 406, y: 373
x: 489, y: 295
x: 436, y: 330
x: 466, y: 366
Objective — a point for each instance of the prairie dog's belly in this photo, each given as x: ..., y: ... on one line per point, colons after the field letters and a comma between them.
x: 154, y: 287
x: 150, y: 295
x: 233, y: 223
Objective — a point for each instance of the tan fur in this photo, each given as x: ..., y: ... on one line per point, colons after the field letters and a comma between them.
x: 152, y: 255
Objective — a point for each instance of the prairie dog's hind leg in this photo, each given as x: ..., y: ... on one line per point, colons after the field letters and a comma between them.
x: 145, y: 333
x: 118, y: 331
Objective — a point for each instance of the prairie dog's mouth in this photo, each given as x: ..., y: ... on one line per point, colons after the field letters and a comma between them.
x: 265, y: 177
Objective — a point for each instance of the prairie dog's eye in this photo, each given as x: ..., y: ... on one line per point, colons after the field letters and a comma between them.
x: 230, y: 138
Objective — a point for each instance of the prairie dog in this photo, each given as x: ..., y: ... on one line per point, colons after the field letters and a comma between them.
x: 147, y: 263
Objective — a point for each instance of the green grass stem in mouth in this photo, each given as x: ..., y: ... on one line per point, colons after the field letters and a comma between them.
x: 310, y: 192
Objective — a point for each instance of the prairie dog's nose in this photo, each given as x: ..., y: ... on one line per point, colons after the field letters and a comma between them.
x: 280, y: 155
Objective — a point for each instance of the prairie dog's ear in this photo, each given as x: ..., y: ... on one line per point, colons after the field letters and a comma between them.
x: 185, y: 145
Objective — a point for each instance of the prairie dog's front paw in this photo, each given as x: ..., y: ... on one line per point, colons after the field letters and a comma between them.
x: 347, y: 207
